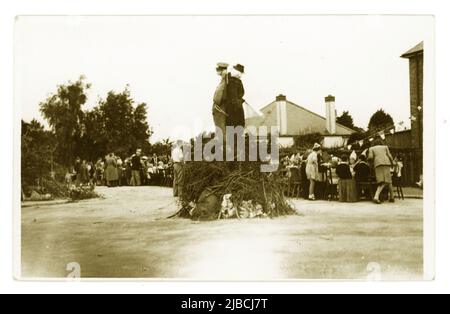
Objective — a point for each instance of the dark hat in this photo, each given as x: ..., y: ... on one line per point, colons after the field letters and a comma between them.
x: 239, y: 67
x: 222, y: 66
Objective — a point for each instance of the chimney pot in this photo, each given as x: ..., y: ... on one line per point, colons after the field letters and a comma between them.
x: 330, y: 98
x: 281, y: 98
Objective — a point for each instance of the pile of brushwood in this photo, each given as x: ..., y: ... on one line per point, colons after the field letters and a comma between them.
x: 220, y: 190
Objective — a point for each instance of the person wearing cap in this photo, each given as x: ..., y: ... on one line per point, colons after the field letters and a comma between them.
x: 235, y: 94
x: 220, y: 98
x: 312, y: 170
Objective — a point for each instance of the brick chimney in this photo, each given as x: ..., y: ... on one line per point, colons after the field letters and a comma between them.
x: 330, y: 108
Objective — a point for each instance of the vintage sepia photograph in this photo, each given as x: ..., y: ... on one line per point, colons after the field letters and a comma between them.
x: 224, y: 148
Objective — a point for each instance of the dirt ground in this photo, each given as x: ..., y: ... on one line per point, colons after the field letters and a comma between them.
x: 127, y: 235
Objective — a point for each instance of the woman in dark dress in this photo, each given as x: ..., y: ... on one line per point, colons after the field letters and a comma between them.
x: 347, y: 185
x: 235, y: 97
x: 362, y: 175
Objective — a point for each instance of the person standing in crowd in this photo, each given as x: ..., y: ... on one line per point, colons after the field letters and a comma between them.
x: 220, y: 108
x: 382, y: 161
x: 99, y: 168
x: 92, y: 171
x: 119, y: 171
x: 347, y: 185
x: 320, y: 188
x: 398, y: 169
x: 127, y: 171
x: 145, y: 171
x: 111, y: 171
x: 136, y: 167
x: 155, y: 159
x: 420, y: 183
x: 178, y: 159
x: 312, y: 170
x: 362, y: 174
x: 84, y: 173
x: 235, y: 94
x: 77, y: 170
x: 304, y: 176
x: 334, y: 179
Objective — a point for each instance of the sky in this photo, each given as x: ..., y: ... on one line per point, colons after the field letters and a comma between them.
x: 169, y: 62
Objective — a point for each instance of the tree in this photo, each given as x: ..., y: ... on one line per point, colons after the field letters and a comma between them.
x: 117, y: 114
x: 380, y: 120
x: 37, y: 150
x: 93, y: 141
x: 64, y: 113
x: 346, y: 120
x: 115, y: 125
x: 162, y: 148
x: 141, y: 128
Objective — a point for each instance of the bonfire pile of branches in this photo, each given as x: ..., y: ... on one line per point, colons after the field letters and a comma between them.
x: 215, y: 190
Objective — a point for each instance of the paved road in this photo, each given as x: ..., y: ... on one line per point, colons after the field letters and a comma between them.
x: 126, y: 235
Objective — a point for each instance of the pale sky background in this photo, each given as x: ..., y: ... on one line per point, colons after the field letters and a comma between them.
x: 169, y: 62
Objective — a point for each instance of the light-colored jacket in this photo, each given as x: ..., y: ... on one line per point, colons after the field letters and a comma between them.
x: 220, y: 95
x: 380, y: 156
x: 312, y: 166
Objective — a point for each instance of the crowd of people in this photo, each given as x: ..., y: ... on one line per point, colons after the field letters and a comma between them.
x: 349, y: 177
x: 113, y: 171
x: 320, y: 175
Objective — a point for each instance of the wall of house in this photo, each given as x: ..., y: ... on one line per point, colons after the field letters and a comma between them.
x: 286, y: 142
x: 334, y: 141
x: 270, y: 115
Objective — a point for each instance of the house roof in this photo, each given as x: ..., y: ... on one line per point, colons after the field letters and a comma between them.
x: 322, y: 117
x: 313, y: 113
x: 414, y: 51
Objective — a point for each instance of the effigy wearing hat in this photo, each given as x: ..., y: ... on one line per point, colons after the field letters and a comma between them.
x: 239, y: 67
x: 222, y: 66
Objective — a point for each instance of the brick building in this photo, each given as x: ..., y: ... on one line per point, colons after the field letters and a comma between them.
x: 409, y: 143
x: 415, y: 57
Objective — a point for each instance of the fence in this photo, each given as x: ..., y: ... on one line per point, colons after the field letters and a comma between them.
x: 400, y: 145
